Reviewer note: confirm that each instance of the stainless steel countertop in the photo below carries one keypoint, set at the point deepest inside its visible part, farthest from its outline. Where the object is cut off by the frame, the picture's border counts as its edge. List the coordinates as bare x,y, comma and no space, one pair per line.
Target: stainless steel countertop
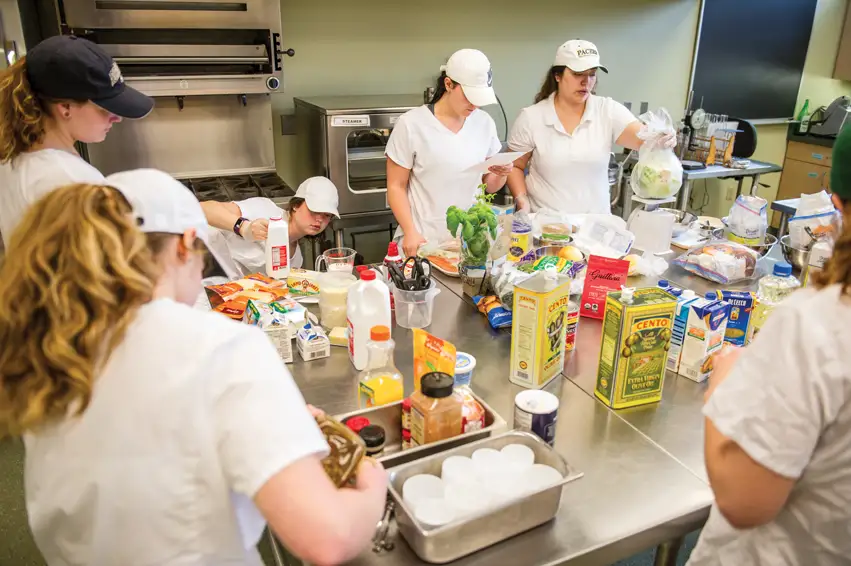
786,206
634,494
716,171
365,104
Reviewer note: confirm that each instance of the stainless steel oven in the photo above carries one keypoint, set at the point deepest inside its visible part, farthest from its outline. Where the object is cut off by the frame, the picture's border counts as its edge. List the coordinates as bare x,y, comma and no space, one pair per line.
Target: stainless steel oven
343,138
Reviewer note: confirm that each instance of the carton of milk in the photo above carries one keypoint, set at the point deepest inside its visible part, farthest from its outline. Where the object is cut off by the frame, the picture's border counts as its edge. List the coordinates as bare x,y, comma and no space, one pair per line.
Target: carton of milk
678,331
740,324
705,328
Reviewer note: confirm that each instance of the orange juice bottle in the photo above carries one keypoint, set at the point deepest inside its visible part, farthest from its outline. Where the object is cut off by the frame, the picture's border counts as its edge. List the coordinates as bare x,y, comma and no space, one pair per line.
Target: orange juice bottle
380,383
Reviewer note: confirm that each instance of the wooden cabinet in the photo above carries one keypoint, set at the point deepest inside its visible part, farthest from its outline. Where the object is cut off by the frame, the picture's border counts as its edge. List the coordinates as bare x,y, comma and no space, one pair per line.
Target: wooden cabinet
806,170
842,68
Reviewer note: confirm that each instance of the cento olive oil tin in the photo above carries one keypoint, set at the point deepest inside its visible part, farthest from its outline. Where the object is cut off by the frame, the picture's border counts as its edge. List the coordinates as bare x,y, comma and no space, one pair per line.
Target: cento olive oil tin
634,347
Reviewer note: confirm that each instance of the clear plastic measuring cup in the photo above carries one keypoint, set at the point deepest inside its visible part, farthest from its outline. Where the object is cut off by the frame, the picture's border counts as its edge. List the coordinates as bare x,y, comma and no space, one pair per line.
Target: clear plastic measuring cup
414,309
341,260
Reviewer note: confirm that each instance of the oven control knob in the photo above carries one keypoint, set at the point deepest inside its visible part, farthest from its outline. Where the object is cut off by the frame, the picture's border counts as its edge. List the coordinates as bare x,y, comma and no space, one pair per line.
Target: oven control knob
273,83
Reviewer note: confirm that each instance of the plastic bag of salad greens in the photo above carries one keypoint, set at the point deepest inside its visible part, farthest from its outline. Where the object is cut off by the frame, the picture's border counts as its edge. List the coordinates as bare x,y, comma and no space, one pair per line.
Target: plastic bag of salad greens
658,173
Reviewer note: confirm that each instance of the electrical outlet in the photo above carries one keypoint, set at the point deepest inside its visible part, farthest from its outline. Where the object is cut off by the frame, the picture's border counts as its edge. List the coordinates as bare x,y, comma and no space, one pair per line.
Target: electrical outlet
731,193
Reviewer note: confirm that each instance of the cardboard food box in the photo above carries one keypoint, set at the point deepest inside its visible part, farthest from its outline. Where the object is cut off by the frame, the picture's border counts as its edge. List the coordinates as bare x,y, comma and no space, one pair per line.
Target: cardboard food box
634,346
303,283
740,324
273,320
538,330
602,276
312,343
678,333
707,323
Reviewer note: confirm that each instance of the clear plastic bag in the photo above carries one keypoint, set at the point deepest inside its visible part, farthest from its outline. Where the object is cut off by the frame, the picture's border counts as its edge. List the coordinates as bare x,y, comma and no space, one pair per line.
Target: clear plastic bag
721,261
748,221
658,173
817,213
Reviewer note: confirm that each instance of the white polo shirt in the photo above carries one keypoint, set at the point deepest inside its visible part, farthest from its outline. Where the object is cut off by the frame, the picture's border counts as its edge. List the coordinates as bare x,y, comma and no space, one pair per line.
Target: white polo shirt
192,414
249,256
569,171
440,163
28,177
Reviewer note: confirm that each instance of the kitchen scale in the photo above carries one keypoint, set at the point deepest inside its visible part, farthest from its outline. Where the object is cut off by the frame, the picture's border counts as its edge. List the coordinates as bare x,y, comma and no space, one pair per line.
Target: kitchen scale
653,226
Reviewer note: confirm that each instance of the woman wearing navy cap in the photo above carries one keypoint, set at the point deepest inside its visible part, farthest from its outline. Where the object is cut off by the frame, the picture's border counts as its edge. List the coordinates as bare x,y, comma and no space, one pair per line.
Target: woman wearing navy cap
65,90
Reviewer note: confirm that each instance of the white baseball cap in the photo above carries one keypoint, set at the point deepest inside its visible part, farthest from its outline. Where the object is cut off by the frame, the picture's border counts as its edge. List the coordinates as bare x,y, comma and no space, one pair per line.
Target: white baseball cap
320,195
471,69
163,204
578,55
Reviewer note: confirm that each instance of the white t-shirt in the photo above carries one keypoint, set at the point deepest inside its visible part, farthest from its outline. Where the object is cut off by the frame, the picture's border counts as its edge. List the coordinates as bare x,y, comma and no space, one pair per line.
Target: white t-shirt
440,163
249,256
569,172
180,435
31,175
787,404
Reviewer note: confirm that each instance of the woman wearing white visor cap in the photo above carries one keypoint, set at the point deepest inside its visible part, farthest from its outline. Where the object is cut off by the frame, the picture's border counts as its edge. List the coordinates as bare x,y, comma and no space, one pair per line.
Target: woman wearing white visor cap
433,148
568,136
243,225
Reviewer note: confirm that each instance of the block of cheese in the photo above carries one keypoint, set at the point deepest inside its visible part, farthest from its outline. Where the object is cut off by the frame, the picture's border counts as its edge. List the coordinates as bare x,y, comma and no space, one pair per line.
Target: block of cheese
339,336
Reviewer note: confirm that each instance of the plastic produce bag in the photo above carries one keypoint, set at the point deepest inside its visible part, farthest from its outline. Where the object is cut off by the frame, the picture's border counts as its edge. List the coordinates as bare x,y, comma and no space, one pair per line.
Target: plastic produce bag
658,173
817,213
748,221
721,261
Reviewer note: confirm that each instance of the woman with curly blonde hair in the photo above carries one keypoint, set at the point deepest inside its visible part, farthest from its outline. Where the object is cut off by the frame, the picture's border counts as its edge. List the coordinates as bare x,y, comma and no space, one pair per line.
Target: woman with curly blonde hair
155,432
778,422
65,90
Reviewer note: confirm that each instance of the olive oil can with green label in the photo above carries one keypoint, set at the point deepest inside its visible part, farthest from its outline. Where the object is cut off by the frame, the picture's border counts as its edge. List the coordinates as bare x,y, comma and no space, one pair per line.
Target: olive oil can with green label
634,347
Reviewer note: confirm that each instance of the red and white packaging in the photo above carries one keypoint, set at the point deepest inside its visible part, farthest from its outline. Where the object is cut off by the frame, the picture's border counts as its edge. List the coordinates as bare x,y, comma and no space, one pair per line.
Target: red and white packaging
603,275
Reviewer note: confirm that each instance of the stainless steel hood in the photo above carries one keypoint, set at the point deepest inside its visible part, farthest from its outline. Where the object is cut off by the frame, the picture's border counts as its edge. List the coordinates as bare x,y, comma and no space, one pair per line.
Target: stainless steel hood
185,47
160,14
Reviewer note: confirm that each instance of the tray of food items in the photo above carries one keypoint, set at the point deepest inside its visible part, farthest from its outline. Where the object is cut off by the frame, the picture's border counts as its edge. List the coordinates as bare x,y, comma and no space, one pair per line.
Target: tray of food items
479,421
459,501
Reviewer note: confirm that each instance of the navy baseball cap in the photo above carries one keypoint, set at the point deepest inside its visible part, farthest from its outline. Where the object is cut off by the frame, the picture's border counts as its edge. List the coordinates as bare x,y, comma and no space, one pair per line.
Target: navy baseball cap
68,67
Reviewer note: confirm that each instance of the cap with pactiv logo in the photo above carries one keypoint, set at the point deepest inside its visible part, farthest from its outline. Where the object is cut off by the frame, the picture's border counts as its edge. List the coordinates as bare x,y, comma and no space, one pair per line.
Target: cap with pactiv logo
71,68
578,55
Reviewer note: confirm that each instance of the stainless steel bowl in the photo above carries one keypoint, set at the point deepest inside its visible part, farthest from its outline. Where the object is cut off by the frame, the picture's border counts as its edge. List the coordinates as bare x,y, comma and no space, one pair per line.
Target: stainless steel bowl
763,250
799,258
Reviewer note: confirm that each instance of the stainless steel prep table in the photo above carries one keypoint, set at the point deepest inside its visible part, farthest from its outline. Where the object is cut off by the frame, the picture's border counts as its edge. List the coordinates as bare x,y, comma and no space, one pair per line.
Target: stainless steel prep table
754,169
633,496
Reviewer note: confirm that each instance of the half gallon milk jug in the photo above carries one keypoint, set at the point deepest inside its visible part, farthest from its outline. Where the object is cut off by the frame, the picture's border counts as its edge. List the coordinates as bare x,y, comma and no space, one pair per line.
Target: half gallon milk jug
278,248
368,305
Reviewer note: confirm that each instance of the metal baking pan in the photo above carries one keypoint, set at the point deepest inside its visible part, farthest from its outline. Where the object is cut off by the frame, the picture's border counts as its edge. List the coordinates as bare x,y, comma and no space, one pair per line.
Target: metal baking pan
471,534
390,417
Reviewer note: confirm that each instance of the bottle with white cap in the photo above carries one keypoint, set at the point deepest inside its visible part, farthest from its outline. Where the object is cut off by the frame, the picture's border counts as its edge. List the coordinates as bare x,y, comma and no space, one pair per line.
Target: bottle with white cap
278,248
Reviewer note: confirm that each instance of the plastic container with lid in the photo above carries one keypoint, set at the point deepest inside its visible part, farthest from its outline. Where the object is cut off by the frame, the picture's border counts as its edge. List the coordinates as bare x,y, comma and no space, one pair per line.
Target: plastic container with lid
464,366
356,424
367,305
663,284
436,410
772,290
406,414
333,297
374,438
380,383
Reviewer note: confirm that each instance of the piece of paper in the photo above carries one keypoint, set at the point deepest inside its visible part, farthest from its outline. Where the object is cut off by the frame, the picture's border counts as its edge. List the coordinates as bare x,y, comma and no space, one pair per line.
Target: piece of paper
498,159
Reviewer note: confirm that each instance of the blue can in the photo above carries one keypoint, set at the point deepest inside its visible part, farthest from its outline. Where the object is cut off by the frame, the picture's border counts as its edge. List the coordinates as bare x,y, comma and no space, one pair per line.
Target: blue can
537,412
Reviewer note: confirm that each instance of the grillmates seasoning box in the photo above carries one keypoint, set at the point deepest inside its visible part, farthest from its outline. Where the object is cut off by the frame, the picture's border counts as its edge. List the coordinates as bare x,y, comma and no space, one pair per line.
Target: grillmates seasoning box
602,276
537,333
634,346
740,324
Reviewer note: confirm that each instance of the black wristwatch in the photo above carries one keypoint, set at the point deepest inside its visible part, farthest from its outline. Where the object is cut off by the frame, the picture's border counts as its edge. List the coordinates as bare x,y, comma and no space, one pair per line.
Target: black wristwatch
238,225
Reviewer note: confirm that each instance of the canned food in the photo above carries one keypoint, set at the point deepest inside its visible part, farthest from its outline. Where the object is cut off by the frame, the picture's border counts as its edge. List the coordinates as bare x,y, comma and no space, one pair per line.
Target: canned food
537,412
572,326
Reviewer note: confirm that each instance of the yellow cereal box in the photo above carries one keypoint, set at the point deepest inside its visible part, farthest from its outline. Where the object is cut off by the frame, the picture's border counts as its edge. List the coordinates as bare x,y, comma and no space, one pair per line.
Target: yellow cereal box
537,331
637,327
